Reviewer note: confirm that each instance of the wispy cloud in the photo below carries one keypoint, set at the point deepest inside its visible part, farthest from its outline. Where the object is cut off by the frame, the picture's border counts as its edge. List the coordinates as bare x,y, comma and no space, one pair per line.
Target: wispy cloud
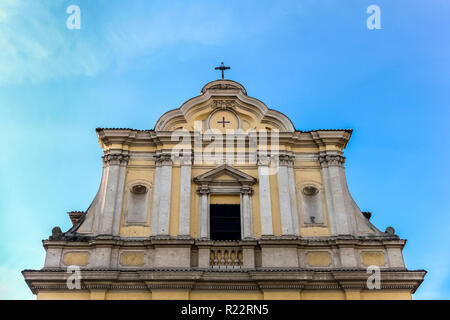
35,44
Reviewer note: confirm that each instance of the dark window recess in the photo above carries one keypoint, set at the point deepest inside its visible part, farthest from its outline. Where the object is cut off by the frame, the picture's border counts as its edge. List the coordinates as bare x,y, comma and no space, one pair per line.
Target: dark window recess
225,222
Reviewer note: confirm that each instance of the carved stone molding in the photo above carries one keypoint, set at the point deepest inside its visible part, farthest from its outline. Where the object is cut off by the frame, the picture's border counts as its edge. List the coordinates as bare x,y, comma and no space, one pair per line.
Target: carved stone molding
224,104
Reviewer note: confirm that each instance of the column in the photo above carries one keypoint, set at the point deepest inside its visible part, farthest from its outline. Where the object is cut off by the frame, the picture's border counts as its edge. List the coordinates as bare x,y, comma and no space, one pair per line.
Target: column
265,206
246,213
203,212
111,208
335,188
185,195
293,195
164,194
287,226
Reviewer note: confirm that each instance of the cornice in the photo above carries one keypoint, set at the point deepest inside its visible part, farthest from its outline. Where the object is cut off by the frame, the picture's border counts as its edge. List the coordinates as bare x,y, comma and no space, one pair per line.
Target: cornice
260,280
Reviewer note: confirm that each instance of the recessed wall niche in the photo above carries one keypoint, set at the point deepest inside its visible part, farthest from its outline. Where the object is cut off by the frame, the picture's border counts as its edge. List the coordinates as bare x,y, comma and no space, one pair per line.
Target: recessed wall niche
311,198
137,204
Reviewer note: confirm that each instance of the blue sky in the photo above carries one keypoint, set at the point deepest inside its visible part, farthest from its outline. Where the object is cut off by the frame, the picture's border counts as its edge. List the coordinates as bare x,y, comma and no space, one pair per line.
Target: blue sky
313,60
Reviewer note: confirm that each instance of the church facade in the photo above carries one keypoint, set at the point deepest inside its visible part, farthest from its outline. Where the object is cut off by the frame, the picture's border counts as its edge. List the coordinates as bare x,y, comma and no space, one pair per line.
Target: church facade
223,199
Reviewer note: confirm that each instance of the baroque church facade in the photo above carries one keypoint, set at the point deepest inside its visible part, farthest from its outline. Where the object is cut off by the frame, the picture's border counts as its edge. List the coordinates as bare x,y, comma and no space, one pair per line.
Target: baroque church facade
223,199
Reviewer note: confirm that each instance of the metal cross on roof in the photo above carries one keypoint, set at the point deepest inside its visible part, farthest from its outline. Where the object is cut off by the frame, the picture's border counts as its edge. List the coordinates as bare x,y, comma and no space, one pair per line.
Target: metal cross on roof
222,68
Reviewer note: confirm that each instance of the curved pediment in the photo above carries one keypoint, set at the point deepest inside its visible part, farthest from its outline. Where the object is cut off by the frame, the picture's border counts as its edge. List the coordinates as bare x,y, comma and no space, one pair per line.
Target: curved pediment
223,105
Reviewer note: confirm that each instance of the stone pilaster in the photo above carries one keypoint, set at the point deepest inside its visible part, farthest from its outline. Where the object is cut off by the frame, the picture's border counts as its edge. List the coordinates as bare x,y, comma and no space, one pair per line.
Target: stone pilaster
203,212
293,195
287,221
342,220
246,212
111,207
185,195
265,205
156,191
165,184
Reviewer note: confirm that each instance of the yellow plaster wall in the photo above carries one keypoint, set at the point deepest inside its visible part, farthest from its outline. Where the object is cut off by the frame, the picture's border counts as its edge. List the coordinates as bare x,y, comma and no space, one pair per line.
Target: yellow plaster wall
385,295
224,199
226,295
126,295
318,259
282,295
76,258
314,231
373,258
170,295
132,258
64,295
322,295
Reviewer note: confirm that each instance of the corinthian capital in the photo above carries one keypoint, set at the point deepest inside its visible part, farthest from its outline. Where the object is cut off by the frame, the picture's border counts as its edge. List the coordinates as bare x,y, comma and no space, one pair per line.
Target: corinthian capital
116,159
263,160
331,161
164,159
286,160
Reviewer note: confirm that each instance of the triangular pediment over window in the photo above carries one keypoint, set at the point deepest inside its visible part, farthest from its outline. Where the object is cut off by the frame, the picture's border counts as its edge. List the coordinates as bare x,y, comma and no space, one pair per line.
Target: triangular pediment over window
225,174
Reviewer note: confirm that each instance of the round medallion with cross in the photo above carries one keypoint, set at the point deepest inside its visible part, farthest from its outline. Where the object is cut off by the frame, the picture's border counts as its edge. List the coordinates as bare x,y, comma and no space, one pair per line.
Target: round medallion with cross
223,120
